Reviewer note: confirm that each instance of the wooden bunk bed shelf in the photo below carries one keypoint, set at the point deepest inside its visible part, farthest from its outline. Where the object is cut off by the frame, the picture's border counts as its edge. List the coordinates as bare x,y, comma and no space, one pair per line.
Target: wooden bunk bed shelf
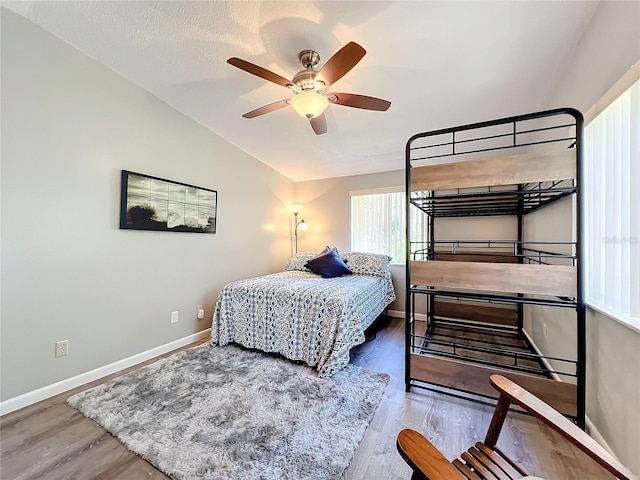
554,280
476,313
507,170
462,376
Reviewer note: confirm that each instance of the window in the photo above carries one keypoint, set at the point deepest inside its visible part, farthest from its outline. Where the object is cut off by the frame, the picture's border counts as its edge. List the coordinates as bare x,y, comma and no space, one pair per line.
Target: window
612,204
378,223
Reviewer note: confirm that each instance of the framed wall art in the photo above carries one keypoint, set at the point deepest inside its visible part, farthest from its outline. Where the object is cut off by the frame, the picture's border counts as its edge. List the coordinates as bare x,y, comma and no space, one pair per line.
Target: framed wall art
152,203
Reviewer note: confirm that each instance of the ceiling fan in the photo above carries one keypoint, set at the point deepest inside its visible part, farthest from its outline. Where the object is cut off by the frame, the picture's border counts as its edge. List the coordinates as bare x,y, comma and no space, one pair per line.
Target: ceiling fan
310,86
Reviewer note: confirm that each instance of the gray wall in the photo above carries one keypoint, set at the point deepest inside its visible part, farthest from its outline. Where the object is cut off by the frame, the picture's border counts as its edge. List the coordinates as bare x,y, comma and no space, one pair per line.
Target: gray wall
609,47
69,125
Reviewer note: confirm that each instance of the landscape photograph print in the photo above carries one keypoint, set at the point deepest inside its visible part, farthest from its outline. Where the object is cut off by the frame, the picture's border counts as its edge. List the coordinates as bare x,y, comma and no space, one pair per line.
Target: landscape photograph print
151,203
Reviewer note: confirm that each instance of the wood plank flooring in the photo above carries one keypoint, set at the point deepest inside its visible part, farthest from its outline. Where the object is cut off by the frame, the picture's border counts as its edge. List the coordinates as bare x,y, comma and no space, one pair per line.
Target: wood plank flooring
51,440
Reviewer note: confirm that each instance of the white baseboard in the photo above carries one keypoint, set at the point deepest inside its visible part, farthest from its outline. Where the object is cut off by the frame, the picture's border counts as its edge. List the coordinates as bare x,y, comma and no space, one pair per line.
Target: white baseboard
591,429
400,314
545,362
597,436
52,390
49,391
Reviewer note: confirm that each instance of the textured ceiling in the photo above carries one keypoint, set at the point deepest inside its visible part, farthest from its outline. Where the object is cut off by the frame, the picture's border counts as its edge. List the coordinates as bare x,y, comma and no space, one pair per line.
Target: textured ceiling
439,63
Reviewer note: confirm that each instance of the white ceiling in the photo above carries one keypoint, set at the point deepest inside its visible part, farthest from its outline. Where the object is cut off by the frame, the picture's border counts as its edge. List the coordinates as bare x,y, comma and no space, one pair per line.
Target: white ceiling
439,63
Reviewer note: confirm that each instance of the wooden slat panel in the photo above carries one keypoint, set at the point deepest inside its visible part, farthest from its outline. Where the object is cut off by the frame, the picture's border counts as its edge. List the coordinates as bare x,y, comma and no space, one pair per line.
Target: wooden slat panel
470,257
477,466
466,471
490,465
511,462
499,460
475,379
556,280
508,170
477,313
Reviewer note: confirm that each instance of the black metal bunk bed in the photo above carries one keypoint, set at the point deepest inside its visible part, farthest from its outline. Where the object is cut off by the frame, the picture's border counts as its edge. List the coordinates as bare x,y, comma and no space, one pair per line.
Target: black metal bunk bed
477,295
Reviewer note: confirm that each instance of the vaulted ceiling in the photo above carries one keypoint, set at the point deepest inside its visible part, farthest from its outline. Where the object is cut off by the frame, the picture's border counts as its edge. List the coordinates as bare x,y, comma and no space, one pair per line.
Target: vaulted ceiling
439,63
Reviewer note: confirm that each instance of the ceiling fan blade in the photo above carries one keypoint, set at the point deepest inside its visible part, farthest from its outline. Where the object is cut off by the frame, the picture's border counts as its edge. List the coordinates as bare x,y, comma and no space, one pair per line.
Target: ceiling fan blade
359,101
337,66
319,124
272,107
259,71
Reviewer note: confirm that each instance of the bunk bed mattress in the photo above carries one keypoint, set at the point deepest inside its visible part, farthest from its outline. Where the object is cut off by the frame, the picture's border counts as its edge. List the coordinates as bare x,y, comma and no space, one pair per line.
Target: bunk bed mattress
301,316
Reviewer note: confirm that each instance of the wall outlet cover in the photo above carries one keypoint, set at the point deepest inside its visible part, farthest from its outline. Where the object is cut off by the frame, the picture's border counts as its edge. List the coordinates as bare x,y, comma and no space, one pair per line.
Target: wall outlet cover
62,348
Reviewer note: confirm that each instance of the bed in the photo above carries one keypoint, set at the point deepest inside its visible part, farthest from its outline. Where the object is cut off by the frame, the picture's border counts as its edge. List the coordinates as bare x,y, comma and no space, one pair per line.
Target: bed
303,316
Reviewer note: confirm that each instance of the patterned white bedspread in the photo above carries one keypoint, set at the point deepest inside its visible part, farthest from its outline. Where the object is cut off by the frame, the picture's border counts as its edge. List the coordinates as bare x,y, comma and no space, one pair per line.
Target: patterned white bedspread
301,315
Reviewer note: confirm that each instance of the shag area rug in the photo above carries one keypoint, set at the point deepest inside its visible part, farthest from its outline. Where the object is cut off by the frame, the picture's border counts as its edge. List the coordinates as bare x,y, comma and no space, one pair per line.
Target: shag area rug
228,413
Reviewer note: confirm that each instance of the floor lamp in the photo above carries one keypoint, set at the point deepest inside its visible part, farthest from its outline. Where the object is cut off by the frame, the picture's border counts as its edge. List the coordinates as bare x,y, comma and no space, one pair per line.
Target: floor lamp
299,225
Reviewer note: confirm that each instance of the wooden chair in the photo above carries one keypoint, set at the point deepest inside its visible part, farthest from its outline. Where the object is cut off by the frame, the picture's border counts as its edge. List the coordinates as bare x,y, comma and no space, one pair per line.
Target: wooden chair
485,461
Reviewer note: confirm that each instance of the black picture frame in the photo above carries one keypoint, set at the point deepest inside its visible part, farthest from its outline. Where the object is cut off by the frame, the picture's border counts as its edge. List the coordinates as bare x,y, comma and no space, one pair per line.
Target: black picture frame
153,203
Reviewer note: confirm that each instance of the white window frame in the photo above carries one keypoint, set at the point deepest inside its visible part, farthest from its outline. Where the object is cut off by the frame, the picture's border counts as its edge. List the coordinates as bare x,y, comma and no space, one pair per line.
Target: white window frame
385,224
611,200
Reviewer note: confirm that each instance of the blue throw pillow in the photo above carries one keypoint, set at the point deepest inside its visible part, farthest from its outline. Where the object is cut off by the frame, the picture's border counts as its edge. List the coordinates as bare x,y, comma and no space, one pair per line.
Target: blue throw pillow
329,265
310,266
313,269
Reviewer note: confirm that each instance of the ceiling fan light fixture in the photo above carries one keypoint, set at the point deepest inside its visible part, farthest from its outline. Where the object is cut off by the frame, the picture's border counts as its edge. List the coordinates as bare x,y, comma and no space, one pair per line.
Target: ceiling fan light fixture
309,104
310,98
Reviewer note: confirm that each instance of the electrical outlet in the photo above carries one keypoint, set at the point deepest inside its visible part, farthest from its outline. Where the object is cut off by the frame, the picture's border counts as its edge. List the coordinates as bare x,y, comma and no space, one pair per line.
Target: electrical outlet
62,348
174,317
200,312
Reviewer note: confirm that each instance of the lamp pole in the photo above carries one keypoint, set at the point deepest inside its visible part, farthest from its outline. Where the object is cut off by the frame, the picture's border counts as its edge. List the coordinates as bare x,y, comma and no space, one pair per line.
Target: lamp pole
295,209
295,231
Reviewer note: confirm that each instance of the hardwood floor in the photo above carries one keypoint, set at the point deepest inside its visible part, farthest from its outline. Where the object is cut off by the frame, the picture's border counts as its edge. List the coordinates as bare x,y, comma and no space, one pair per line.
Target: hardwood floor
51,440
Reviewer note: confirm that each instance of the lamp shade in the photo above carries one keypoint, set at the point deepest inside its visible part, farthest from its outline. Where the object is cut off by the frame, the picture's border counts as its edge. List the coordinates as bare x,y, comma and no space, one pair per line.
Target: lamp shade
302,225
309,103
295,208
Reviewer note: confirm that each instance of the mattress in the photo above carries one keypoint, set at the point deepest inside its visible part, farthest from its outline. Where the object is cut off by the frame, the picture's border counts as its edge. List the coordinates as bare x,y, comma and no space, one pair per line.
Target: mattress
301,316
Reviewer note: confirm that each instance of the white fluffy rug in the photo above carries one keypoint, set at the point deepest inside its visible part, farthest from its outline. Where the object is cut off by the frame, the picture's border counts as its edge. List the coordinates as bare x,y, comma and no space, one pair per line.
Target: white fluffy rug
227,413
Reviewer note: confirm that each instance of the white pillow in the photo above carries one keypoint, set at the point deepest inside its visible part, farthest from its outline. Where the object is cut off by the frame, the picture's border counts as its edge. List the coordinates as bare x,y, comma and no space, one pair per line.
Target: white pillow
362,263
299,260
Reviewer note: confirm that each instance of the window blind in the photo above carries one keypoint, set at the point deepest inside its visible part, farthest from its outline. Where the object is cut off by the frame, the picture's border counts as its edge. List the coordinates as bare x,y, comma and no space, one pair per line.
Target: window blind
612,201
378,223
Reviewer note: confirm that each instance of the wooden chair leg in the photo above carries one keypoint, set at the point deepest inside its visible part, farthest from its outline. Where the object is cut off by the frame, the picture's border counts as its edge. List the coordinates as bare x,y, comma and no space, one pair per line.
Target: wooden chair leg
499,416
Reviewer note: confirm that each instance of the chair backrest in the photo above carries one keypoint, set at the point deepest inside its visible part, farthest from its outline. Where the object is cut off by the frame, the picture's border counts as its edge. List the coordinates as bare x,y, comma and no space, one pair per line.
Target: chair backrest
511,393
484,460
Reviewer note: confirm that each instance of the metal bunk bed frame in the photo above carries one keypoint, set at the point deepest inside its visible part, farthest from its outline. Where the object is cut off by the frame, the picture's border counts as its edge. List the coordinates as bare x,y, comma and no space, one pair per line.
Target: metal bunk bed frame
525,197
